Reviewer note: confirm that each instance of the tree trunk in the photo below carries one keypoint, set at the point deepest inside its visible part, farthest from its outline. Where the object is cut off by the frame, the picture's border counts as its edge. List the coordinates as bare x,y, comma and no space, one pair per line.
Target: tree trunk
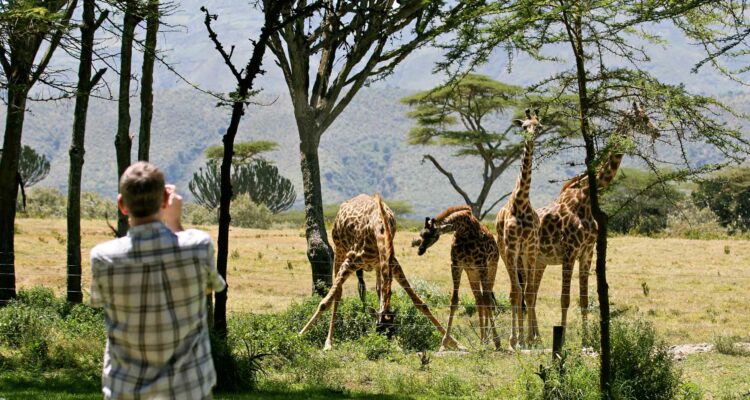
16,111
123,140
225,201
147,80
605,371
319,252
77,151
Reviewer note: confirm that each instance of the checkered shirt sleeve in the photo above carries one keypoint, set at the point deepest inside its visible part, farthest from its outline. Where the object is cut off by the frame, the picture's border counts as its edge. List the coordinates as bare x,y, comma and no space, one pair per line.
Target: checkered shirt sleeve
152,286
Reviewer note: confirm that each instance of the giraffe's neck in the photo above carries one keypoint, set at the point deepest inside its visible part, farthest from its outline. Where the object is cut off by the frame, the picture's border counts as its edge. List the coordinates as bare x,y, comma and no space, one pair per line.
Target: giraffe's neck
461,223
520,195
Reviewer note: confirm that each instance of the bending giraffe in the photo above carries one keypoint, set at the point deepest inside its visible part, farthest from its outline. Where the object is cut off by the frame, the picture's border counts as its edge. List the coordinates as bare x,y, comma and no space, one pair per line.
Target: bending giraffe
363,240
474,250
568,228
517,226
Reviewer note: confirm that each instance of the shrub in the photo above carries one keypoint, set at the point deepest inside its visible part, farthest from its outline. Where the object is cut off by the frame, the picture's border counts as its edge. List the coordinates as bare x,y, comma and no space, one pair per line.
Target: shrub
414,331
727,194
729,345
237,369
195,214
638,203
352,321
568,378
690,222
44,203
246,214
642,366
94,206
374,346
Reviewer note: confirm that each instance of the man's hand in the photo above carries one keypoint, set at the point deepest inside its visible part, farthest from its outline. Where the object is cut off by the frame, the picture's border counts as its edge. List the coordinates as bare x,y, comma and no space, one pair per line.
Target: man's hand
172,213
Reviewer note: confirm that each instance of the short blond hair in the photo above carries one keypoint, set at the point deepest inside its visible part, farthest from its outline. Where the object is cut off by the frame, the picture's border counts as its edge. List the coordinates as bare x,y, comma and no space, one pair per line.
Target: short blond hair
142,189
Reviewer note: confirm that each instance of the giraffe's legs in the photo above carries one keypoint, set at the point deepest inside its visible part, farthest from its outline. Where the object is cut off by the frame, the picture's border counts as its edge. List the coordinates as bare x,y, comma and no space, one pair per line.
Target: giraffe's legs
510,258
538,270
489,301
361,287
456,274
584,267
530,291
333,295
476,290
567,274
400,277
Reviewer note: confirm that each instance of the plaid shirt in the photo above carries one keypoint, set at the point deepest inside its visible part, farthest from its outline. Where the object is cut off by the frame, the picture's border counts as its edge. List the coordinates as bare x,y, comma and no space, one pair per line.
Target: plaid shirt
152,285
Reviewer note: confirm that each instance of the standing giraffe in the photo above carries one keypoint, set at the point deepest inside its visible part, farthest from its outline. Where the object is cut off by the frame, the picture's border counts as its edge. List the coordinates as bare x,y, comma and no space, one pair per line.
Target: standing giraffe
363,240
568,229
474,250
518,238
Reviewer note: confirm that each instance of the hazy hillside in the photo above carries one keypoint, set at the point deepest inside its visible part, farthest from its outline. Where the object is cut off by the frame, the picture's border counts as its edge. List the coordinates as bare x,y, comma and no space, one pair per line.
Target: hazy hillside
364,151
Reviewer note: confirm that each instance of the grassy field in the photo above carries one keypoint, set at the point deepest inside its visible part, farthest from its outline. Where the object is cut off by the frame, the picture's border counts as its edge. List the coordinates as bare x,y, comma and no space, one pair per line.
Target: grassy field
691,290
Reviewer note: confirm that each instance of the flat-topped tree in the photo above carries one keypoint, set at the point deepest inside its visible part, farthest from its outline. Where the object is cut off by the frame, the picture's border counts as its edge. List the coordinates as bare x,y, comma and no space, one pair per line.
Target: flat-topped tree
326,58
604,43
459,115
30,32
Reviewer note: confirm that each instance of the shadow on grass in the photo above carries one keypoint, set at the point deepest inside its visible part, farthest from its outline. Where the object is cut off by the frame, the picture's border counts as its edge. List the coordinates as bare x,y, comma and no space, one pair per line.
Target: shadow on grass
62,386
68,386
311,394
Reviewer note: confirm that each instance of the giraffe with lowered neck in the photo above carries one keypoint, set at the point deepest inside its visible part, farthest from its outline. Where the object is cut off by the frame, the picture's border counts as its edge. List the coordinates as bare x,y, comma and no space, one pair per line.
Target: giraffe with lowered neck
568,228
474,250
517,226
363,240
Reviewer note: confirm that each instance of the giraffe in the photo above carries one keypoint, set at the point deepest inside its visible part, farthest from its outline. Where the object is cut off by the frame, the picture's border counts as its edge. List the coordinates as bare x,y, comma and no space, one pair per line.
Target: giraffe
363,240
518,238
474,250
568,229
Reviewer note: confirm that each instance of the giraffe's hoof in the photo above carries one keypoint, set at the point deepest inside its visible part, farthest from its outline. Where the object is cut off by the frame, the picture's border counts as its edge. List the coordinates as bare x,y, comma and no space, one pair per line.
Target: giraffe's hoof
328,346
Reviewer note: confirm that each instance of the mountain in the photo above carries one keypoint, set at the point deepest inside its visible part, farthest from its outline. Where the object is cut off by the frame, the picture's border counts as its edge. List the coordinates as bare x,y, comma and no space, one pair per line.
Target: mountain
364,151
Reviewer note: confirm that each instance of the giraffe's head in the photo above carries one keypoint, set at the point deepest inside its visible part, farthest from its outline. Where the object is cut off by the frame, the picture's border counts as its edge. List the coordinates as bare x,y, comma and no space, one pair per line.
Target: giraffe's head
429,235
637,121
531,124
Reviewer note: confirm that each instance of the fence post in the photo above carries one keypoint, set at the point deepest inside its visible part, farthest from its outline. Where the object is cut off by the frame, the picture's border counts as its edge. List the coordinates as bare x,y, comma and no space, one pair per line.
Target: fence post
558,339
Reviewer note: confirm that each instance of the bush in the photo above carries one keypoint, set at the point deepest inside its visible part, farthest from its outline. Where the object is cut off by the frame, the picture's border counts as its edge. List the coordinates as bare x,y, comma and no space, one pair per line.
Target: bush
568,378
690,222
642,366
246,214
414,331
44,203
730,345
237,369
94,206
352,321
195,214
374,346
727,194
637,203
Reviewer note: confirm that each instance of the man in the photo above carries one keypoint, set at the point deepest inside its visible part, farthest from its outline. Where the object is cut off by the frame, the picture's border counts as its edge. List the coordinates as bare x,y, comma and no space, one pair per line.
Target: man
152,285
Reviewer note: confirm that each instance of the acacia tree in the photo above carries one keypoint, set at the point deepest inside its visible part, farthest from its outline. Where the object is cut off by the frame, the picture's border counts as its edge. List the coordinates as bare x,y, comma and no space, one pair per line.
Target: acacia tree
597,38
27,28
326,58
86,83
456,115
277,14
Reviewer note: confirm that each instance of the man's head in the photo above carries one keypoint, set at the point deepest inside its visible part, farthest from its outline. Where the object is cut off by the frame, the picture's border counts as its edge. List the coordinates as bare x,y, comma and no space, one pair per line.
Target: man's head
142,190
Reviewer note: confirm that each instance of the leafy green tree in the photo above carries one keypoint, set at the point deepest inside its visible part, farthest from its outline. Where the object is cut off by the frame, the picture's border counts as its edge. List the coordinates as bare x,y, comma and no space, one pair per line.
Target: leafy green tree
599,40
30,33
33,167
244,152
457,114
326,58
727,194
639,202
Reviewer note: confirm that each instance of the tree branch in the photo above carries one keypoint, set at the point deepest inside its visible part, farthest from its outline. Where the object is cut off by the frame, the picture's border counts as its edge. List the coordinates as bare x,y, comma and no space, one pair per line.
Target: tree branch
448,175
